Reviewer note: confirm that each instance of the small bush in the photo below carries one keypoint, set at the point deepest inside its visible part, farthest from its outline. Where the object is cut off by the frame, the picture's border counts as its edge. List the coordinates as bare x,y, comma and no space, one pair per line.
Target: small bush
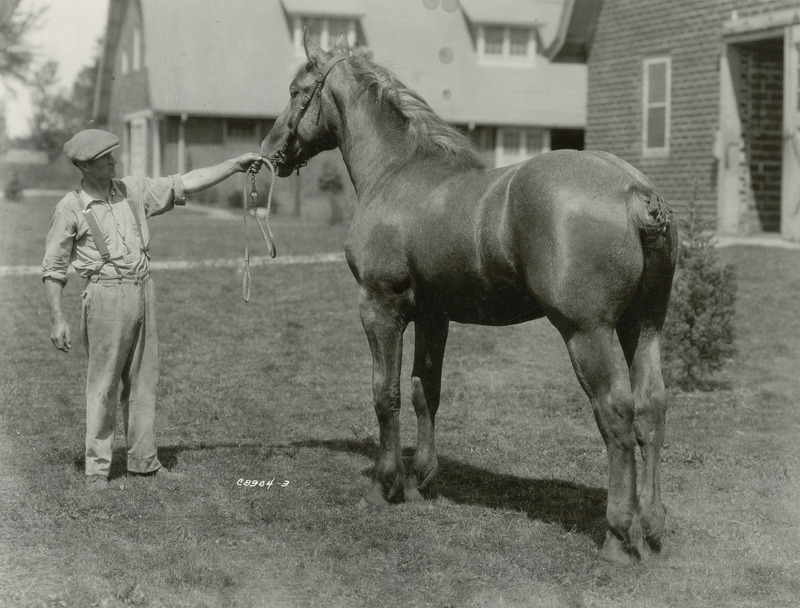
699,333
13,189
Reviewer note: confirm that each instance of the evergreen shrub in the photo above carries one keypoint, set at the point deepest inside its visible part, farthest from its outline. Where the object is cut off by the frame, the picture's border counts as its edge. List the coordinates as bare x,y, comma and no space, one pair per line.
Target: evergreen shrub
699,332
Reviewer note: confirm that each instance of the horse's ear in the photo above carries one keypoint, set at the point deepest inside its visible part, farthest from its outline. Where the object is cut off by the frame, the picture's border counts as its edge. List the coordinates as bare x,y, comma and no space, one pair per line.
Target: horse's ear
341,43
314,52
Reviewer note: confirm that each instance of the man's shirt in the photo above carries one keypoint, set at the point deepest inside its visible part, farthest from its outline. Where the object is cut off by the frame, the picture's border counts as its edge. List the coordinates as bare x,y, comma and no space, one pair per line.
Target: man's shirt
70,240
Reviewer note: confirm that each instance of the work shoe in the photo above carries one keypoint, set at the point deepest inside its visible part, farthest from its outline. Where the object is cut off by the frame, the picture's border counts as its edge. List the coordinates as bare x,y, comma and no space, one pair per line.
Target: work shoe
160,473
95,483
165,473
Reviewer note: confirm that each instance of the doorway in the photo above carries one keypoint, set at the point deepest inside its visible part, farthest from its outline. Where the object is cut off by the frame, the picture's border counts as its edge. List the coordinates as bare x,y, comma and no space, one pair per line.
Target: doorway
758,146
752,157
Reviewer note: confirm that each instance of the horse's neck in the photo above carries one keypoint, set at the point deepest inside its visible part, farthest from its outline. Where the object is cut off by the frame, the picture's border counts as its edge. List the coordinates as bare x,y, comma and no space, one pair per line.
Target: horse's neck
371,145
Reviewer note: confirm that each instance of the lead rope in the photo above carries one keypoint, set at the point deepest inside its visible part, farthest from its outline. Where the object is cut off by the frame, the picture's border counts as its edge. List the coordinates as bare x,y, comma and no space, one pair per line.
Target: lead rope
249,183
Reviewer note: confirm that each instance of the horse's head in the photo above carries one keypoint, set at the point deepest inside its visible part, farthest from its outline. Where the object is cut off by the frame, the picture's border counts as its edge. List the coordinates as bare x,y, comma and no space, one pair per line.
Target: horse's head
302,130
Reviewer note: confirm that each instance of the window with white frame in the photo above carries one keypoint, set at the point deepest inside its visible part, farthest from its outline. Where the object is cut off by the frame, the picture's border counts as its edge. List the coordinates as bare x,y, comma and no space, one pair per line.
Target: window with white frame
323,30
656,99
506,44
513,145
124,62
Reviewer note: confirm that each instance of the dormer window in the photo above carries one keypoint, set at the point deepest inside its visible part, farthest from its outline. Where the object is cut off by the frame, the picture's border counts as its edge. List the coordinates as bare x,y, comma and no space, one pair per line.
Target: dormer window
323,30
506,44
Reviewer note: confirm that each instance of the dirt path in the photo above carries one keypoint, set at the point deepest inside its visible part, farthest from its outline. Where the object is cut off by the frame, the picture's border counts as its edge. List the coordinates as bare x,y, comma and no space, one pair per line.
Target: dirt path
320,258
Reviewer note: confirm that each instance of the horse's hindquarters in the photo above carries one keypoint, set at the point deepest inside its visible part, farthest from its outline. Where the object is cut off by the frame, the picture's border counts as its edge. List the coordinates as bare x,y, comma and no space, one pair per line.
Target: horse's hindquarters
576,249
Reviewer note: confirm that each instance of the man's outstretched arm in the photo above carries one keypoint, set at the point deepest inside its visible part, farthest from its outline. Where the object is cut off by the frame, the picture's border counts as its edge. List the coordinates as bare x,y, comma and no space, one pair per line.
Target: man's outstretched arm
200,179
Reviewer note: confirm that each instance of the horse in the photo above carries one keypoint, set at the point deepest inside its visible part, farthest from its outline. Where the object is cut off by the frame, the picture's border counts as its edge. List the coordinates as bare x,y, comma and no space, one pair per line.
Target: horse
579,237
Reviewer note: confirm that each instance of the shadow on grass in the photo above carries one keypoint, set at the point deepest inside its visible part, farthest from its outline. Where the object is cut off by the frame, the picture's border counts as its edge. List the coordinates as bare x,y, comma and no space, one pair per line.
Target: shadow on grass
574,507
167,455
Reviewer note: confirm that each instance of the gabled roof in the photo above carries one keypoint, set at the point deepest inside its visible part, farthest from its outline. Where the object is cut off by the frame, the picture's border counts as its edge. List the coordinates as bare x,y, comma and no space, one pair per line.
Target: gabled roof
212,58
575,32
116,13
206,59
543,14
350,8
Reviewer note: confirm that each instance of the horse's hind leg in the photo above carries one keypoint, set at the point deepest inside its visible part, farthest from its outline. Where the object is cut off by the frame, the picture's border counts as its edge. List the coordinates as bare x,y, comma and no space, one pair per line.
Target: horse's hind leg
639,332
598,365
642,345
430,338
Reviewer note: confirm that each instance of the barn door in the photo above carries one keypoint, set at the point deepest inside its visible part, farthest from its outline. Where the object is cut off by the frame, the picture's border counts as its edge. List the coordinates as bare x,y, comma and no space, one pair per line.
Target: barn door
728,144
790,180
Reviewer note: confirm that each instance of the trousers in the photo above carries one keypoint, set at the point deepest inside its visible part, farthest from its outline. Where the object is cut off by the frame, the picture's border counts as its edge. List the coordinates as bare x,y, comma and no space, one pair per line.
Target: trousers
118,325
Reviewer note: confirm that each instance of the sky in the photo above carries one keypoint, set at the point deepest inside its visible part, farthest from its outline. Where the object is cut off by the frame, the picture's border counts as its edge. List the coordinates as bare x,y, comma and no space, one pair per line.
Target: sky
68,34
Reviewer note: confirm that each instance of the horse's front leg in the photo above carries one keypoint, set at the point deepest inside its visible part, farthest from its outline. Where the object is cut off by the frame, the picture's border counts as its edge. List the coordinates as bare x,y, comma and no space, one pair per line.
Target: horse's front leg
384,320
430,338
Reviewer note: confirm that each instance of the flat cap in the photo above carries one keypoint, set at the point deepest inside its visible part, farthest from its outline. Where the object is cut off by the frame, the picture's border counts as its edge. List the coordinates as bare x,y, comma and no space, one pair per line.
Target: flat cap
90,144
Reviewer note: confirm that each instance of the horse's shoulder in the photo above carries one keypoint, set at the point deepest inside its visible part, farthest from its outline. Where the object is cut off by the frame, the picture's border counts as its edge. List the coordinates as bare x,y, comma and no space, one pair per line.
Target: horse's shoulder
377,246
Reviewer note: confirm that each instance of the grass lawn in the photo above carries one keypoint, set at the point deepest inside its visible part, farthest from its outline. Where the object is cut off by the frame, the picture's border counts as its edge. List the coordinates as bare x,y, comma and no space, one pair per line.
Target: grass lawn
279,389
192,232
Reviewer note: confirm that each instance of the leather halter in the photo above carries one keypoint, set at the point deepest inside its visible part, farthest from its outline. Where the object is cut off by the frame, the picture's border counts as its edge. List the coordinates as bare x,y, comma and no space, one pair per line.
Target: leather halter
294,120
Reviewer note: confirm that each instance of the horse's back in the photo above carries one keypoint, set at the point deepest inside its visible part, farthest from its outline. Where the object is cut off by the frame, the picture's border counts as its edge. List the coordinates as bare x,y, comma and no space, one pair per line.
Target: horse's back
593,174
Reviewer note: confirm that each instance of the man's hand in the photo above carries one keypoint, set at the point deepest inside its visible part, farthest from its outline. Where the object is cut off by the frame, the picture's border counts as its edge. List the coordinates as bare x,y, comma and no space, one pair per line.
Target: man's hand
246,161
59,335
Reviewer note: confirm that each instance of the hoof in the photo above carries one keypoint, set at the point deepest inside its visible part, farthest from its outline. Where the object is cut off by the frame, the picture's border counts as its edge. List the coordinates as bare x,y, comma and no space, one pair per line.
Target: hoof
615,551
412,493
374,497
426,473
653,550
653,525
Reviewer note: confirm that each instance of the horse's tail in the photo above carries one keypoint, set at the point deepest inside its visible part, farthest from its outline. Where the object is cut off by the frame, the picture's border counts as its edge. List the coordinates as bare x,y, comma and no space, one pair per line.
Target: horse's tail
650,214
660,242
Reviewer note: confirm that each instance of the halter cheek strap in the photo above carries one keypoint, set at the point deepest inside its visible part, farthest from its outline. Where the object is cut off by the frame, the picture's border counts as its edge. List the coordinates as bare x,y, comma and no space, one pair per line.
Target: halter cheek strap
294,121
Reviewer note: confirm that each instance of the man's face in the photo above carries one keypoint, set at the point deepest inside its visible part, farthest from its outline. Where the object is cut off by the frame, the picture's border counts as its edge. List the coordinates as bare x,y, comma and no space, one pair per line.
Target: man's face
102,168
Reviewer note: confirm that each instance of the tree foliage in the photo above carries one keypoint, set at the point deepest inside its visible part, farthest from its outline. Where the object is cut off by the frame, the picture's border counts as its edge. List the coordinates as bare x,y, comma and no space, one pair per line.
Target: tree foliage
58,115
699,333
16,55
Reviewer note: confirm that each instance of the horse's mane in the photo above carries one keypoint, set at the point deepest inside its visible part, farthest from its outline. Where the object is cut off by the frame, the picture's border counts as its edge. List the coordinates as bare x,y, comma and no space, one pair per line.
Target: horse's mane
426,132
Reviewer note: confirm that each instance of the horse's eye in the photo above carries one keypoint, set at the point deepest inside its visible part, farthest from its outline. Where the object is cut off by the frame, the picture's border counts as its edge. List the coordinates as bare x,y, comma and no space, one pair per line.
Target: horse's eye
292,92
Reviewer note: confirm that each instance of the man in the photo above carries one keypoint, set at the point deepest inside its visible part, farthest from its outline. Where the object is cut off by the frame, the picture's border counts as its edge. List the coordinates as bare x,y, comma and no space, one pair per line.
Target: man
101,229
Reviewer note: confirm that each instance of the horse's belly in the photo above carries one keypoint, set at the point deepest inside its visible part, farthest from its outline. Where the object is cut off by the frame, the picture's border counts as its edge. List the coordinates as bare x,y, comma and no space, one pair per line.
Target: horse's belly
483,305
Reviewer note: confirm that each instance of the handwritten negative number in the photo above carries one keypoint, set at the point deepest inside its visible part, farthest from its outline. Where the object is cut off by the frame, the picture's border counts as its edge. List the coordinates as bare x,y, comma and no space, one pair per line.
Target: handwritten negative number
255,483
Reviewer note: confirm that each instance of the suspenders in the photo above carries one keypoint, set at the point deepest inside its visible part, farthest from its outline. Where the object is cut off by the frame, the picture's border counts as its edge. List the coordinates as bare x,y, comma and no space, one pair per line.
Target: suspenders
97,234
